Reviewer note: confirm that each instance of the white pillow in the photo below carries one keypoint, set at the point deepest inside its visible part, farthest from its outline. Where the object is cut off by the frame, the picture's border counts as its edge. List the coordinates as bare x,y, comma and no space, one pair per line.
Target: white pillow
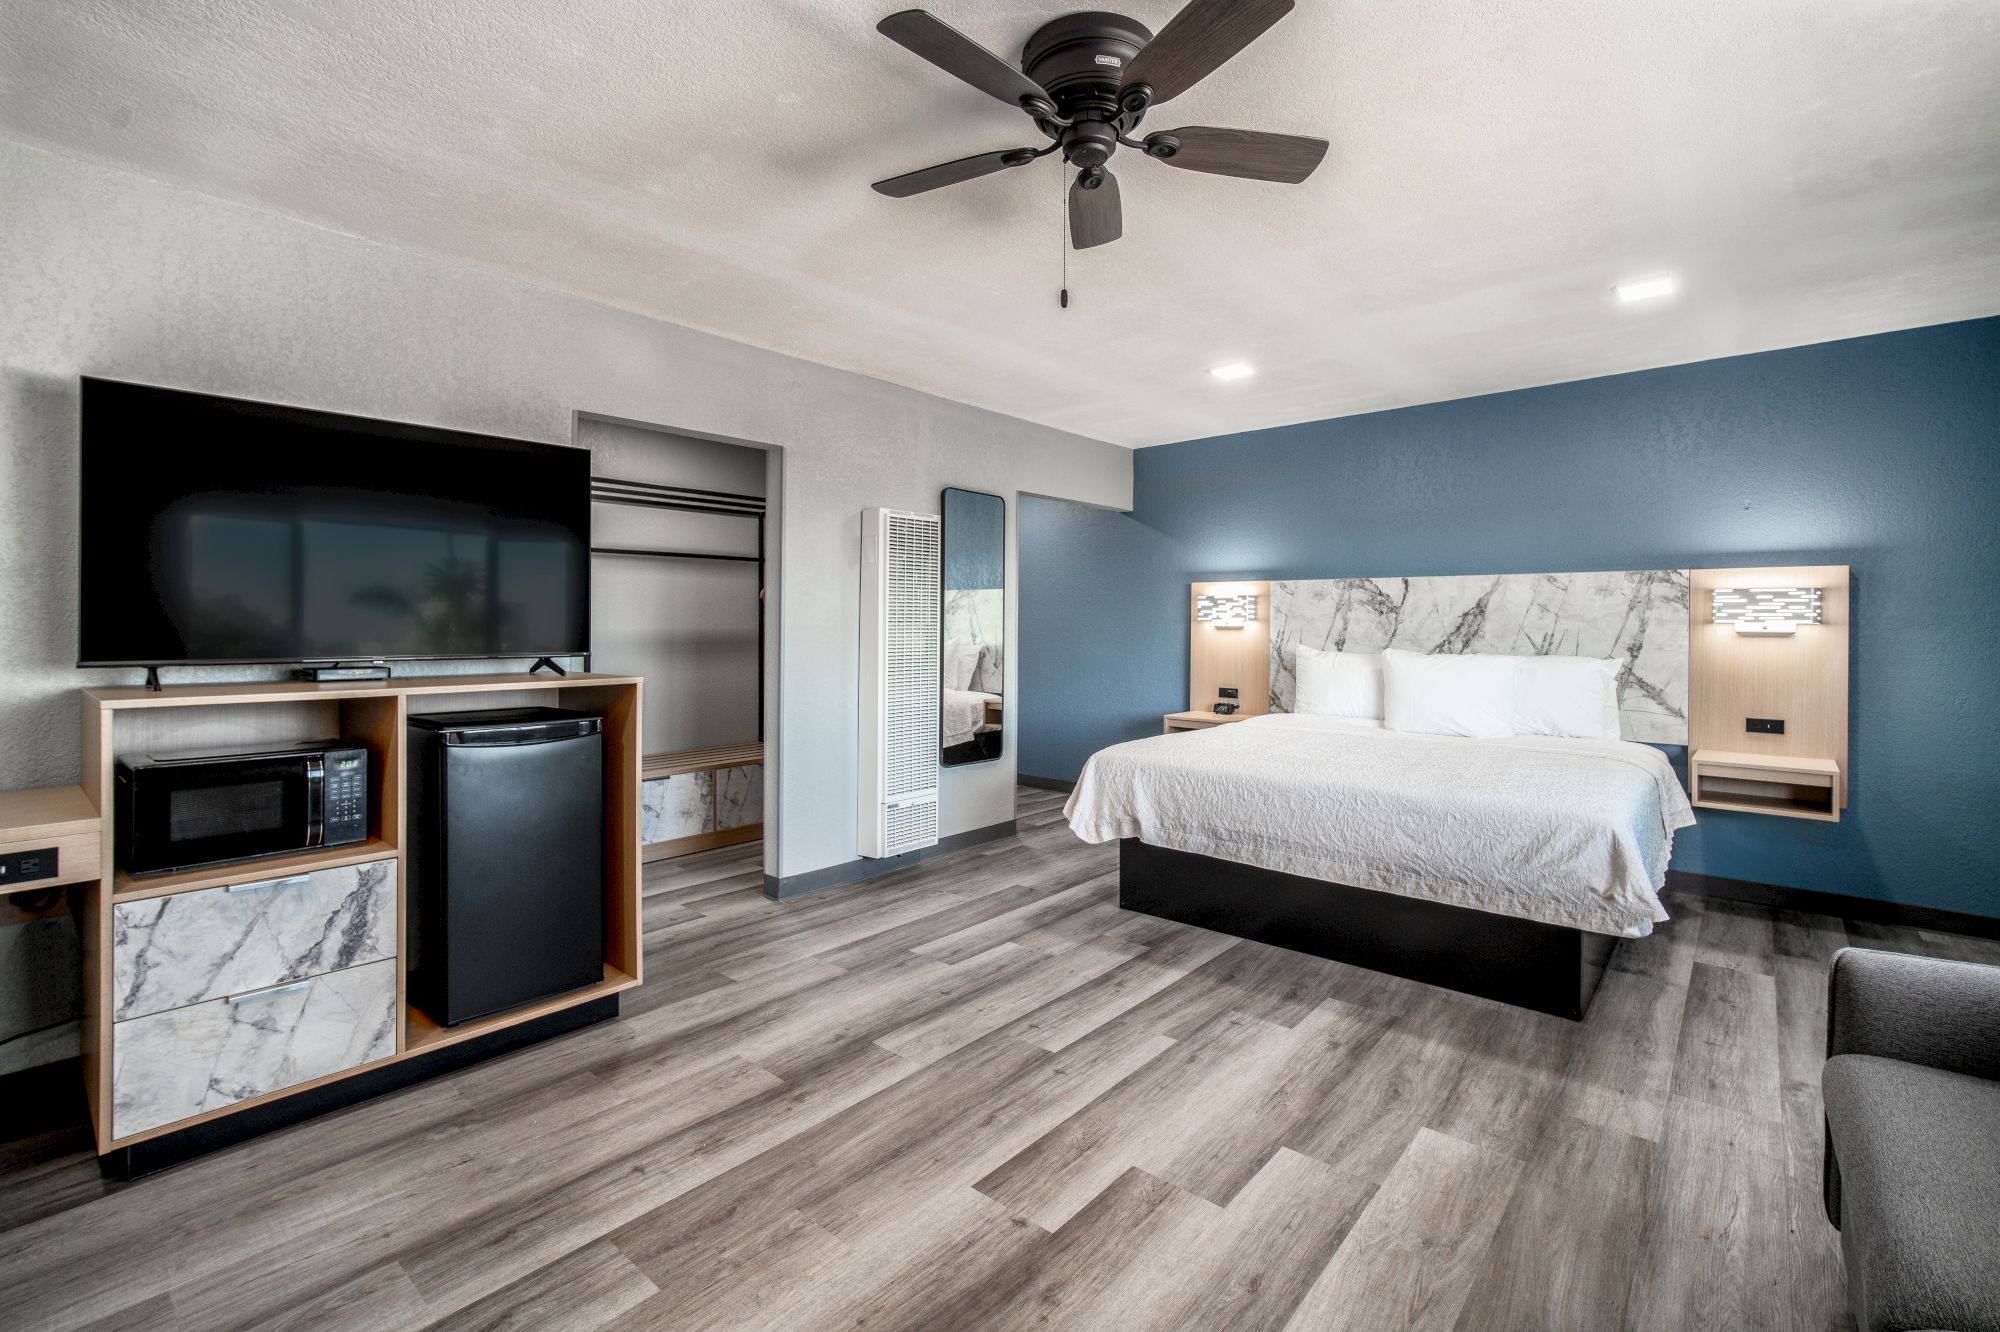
1337,684
1450,695
961,663
1573,696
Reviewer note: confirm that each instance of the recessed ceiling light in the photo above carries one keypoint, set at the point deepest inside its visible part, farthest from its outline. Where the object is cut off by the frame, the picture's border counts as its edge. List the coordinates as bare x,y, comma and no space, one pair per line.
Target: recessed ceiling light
1647,289
1234,370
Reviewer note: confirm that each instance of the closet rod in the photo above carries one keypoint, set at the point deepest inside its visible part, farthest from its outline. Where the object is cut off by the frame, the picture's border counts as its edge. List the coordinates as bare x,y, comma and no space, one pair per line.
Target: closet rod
646,495
674,504
675,554
661,488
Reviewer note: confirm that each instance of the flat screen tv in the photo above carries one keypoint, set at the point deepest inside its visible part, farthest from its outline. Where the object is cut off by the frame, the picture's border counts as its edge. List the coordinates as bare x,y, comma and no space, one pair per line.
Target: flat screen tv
221,531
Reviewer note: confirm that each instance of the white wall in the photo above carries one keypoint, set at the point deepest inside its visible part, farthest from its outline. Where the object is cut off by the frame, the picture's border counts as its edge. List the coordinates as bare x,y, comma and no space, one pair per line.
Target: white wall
107,273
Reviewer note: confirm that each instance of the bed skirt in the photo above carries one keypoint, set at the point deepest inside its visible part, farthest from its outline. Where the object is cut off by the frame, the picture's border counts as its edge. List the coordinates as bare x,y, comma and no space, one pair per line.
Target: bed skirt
1549,968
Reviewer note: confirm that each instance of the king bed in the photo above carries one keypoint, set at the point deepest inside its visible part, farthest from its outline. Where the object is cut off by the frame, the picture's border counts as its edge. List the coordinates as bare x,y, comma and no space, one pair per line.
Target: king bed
1497,834
1505,867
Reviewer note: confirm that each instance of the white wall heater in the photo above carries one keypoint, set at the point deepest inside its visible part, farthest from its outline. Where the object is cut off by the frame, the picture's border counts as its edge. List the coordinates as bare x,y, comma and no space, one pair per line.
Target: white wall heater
899,681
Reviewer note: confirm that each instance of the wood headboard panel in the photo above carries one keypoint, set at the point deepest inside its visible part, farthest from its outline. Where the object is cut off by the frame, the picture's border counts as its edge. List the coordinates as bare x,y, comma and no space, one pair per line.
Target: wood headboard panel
1639,616
1232,658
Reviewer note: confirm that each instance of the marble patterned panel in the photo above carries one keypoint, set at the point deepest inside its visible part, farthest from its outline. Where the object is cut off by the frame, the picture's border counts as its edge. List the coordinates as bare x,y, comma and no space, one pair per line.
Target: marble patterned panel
978,615
168,1066
678,806
739,796
1639,617
169,952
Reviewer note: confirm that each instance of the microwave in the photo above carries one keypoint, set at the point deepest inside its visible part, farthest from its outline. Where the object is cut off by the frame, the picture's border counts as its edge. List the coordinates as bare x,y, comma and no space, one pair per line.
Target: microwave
185,811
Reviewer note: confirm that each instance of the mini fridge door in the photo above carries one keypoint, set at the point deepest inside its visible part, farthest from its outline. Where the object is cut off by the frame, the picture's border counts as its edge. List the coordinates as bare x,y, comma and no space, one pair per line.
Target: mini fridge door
509,870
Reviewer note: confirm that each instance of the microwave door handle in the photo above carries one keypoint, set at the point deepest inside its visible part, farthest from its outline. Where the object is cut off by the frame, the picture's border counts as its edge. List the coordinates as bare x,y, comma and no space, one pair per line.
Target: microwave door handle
316,803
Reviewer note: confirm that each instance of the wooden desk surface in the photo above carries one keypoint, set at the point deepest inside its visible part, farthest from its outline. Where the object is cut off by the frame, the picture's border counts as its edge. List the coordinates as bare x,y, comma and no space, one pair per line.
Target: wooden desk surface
50,812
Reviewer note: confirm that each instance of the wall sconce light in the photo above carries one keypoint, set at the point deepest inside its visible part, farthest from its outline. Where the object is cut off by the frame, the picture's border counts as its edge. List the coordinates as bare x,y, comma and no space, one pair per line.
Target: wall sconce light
1766,610
1225,612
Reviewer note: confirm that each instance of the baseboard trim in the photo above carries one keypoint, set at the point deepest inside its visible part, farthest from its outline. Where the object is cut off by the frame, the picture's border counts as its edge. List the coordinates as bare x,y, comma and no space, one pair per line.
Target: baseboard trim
1063,784
1834,904
854,871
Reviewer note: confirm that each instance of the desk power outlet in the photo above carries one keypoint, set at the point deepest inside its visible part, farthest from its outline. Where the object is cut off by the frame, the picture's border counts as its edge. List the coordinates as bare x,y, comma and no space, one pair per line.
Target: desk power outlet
1764,725
28,866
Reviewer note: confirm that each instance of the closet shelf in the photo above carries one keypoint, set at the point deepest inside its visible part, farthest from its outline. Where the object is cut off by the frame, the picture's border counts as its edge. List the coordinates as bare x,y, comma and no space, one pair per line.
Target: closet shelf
701,760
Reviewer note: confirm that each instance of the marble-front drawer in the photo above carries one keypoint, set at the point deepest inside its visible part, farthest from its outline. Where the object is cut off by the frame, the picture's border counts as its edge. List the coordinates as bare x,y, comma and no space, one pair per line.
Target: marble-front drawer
172,1065
187,948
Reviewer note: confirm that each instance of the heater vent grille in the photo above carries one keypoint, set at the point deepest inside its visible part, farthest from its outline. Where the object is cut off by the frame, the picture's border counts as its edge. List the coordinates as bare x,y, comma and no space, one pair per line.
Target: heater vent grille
910,656
909,827
900,594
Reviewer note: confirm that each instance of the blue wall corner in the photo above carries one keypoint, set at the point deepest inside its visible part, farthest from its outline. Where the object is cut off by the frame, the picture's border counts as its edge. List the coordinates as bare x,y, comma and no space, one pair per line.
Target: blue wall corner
1882,453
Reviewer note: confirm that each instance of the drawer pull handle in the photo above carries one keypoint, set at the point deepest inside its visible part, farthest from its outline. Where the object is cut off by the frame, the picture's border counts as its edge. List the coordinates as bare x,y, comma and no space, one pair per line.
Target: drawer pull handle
289,881
273,992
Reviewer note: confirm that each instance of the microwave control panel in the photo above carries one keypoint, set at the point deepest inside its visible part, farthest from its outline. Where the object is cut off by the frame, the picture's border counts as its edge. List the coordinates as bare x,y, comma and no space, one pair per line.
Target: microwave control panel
346,796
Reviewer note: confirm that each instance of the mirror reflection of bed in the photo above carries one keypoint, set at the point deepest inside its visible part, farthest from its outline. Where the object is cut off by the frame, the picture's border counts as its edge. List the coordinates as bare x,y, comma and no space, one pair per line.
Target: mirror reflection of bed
972,707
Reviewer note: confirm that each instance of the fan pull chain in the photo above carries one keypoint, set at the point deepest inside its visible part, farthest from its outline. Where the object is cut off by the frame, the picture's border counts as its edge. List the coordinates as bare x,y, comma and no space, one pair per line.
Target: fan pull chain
1062,210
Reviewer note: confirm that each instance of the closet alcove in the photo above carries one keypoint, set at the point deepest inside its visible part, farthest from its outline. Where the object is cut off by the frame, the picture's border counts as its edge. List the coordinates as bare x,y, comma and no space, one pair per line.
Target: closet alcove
678,575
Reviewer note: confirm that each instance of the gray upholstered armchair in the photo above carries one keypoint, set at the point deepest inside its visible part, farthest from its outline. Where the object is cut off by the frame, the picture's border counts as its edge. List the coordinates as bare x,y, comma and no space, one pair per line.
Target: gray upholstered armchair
1912,1090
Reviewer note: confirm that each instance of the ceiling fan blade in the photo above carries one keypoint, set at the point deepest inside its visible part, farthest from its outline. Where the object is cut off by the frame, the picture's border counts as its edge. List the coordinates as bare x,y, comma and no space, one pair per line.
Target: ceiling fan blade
1095,215
1250,154
956,54
951,173
1198,40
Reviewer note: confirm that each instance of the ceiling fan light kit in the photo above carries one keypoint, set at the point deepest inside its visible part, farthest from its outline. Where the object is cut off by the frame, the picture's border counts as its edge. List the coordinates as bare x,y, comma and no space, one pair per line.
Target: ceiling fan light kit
1087,80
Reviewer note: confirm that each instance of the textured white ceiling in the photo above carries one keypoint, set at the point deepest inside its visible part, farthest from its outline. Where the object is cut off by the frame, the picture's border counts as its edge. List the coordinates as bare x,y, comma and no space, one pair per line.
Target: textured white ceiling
1813,169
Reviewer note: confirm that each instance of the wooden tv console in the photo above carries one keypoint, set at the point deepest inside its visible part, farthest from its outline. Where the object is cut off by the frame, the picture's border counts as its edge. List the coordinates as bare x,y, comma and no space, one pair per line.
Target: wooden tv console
165,1047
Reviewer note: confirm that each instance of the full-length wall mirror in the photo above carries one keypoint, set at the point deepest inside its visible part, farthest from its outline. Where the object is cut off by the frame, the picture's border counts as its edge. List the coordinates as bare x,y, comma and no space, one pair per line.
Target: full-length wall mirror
975,624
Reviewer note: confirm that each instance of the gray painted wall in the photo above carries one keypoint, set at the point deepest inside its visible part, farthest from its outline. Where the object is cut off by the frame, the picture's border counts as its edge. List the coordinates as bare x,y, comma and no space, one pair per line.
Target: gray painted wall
106,272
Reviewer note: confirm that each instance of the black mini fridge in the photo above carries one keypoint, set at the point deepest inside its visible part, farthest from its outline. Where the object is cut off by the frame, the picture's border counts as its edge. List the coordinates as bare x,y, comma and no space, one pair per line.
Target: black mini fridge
506,859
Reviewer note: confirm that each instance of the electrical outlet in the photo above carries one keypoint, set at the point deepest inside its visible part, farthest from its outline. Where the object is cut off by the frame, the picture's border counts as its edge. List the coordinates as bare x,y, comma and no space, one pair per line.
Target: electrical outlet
1225,693
1764,725
27,866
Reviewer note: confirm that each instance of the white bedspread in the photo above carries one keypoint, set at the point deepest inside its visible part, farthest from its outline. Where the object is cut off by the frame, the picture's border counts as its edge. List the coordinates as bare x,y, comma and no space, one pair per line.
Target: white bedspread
1571,832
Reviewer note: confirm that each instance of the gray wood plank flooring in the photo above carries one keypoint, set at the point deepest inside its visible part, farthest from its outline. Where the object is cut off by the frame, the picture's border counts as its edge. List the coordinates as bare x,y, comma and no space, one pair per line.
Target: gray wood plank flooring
975,1094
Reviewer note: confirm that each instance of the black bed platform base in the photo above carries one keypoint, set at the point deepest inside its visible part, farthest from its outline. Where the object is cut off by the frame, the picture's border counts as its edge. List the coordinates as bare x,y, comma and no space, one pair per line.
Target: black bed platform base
1549,968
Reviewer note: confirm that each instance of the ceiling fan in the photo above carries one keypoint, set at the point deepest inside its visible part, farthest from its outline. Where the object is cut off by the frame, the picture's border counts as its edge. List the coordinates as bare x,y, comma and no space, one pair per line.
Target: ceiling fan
1088,80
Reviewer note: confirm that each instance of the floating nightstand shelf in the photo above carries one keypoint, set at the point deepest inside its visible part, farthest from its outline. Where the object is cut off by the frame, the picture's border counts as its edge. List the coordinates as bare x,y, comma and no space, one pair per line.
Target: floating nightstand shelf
1799,788
1197,720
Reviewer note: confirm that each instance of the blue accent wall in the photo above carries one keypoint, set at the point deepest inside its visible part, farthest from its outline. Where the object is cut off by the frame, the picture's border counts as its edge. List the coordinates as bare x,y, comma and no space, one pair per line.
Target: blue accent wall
1882,453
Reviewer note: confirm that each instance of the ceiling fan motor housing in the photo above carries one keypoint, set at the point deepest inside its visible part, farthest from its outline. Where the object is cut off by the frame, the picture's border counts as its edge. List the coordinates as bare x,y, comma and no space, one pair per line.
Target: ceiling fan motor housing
1081,59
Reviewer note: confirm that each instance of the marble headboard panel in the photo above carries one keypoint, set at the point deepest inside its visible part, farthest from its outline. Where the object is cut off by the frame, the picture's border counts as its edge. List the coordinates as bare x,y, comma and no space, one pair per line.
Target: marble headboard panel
1638,616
